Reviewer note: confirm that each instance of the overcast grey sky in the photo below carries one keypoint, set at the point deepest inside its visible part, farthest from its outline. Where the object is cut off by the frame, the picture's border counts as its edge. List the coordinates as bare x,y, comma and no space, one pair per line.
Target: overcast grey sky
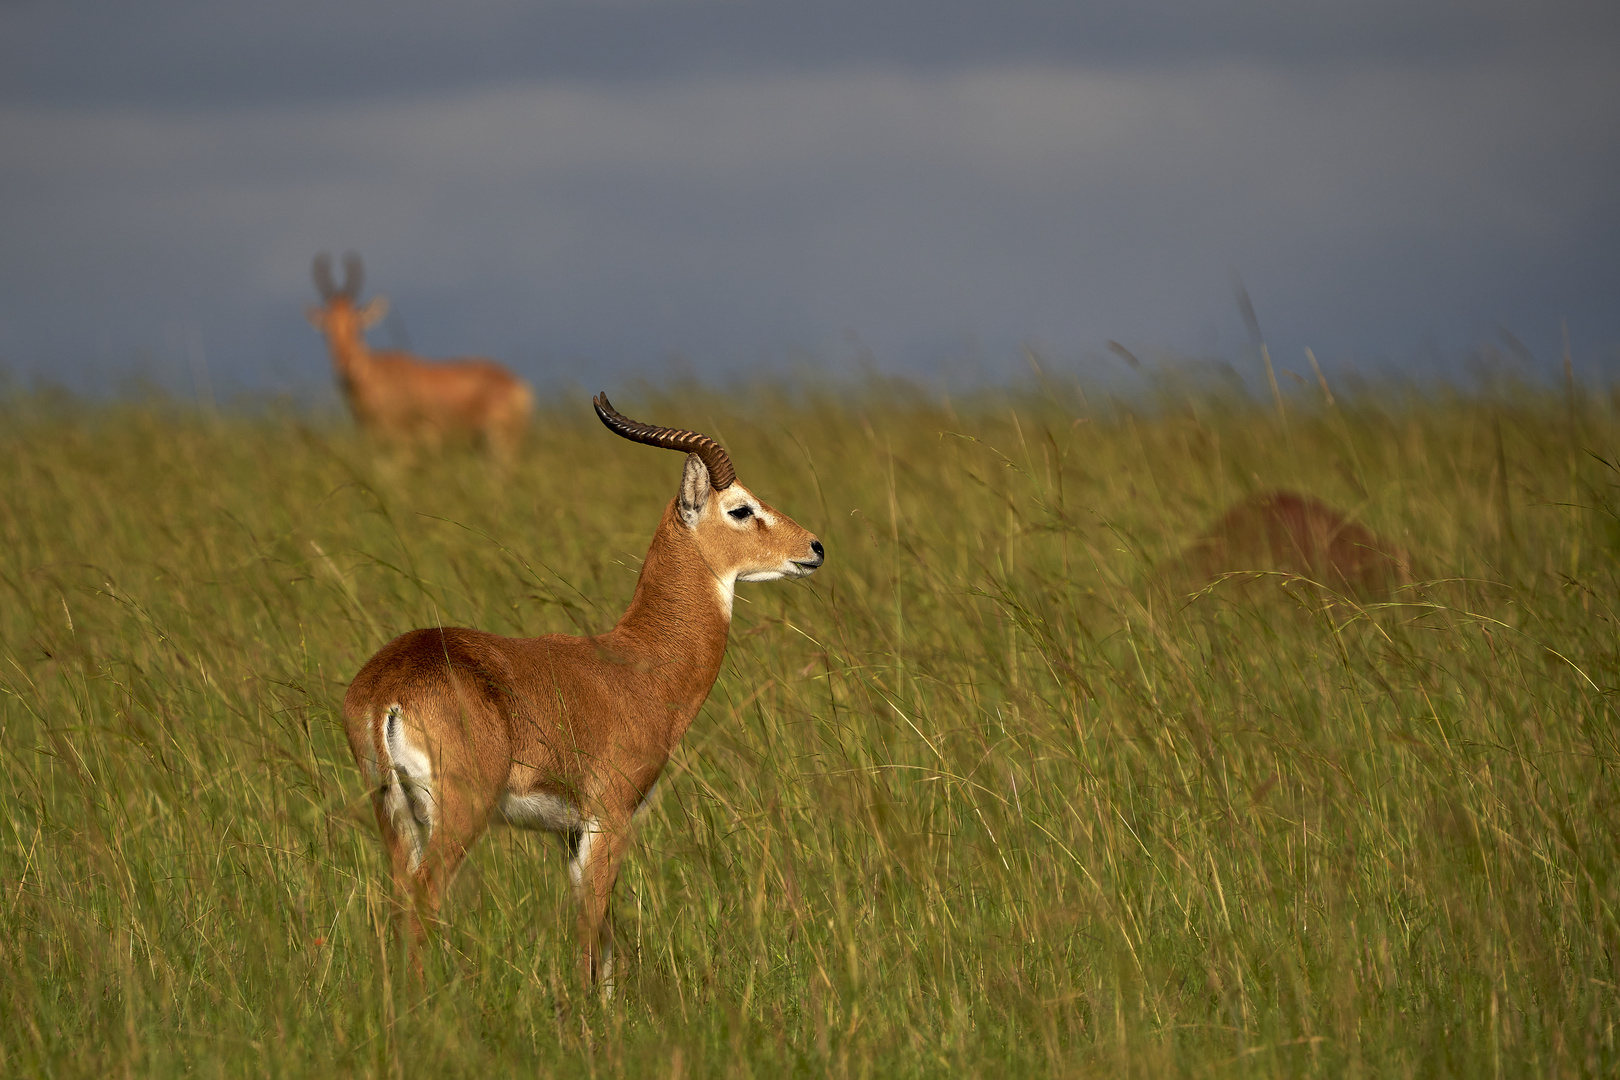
585,190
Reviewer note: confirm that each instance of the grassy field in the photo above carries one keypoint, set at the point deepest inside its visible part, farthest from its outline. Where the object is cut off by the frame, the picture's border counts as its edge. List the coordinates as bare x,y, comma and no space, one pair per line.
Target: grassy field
978,799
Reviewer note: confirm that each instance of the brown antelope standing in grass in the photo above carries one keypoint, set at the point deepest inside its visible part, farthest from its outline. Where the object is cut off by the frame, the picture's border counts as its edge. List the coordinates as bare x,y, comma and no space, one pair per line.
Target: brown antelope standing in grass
400,398
1281,530
456,729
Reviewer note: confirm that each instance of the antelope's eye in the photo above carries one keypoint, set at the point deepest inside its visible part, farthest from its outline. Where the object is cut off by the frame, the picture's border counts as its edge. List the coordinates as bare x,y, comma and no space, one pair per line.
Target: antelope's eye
742,513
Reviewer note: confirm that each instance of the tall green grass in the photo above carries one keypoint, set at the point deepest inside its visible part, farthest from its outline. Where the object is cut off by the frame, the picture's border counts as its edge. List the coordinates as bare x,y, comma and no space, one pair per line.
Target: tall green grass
983,797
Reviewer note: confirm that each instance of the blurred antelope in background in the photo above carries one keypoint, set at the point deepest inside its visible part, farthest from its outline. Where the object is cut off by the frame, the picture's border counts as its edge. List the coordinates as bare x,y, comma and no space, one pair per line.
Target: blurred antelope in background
1281,530
457,729
406,400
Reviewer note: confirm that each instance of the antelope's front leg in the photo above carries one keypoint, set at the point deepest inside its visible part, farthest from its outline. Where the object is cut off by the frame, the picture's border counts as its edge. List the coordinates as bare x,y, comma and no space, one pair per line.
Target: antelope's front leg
594,869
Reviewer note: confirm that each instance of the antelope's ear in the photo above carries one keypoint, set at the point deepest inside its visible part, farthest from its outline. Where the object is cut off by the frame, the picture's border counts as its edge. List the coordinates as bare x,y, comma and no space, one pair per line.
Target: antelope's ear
313,313
373,312
694,494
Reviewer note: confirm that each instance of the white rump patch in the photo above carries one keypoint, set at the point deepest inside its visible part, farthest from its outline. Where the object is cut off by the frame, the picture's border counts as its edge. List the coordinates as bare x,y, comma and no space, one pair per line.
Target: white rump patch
541,810
407,785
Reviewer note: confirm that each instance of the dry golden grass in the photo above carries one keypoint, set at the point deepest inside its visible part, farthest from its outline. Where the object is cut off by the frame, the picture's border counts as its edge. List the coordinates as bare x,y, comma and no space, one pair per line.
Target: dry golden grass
975,800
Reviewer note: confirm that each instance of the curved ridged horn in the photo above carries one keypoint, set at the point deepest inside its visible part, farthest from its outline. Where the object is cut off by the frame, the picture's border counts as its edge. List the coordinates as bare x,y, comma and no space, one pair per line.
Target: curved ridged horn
353,275
323,276
721,474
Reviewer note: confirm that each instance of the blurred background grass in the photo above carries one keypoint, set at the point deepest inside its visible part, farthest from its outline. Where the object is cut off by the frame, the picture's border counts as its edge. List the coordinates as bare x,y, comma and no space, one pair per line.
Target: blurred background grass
983,797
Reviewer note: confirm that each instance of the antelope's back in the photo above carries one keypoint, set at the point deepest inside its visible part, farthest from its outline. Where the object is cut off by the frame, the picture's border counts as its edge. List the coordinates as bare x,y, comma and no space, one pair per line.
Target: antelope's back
435,675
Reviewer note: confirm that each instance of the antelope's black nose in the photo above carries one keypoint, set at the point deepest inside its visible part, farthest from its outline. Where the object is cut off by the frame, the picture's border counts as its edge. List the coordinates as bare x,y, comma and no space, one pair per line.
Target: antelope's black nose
818,555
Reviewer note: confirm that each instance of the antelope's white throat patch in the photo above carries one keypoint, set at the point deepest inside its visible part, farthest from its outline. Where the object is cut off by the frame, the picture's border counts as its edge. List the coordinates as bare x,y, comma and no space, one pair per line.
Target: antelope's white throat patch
725,590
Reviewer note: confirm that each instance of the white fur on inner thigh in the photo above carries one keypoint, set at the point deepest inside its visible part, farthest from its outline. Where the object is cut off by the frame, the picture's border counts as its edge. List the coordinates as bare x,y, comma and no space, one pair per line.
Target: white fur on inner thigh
407,794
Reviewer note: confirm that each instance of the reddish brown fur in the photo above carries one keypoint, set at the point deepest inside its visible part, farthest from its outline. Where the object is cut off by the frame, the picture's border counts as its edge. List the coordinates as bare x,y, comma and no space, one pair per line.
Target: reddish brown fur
403,399
1281,530
588,720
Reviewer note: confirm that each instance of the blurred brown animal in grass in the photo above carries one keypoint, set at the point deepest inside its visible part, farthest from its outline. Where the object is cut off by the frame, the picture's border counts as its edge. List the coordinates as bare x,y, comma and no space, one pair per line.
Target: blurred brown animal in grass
1300,536
405,400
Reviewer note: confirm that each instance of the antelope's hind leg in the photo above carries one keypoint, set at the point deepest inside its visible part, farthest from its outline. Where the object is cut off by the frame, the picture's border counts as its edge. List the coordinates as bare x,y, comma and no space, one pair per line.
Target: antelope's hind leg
430,810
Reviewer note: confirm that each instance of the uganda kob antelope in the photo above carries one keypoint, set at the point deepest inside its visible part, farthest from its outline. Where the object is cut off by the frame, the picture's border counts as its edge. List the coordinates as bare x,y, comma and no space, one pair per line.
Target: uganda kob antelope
459,729
402,399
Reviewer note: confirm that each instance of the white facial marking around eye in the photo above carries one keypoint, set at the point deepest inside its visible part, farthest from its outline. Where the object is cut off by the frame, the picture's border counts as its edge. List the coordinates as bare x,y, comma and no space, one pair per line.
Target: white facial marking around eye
743,510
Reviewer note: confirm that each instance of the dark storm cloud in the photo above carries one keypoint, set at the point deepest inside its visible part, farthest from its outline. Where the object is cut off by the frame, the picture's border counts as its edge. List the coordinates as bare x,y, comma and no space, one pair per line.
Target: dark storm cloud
583,189
190,52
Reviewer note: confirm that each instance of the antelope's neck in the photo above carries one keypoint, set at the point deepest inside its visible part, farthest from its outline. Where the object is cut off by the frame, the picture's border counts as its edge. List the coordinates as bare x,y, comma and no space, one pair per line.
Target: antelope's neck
350,353
676,622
